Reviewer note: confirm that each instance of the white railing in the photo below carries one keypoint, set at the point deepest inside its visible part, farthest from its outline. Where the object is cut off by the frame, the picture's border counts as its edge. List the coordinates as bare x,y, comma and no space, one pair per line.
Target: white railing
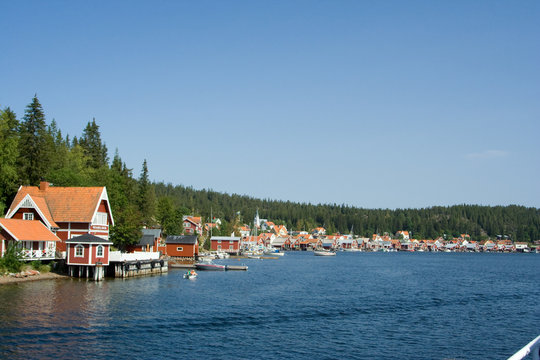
118,256
38,254
531,348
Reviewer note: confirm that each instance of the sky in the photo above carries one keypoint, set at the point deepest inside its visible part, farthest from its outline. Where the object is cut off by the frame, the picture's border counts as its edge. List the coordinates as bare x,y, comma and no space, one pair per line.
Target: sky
374,104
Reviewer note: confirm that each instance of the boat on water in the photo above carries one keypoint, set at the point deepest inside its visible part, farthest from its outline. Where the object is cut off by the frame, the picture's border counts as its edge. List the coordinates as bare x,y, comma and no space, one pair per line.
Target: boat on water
324,253
210,267
532,348
274,252
207,258
190,275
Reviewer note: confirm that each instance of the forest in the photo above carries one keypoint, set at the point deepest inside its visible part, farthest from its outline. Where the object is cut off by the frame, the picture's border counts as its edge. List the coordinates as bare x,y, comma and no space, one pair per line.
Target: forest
32,150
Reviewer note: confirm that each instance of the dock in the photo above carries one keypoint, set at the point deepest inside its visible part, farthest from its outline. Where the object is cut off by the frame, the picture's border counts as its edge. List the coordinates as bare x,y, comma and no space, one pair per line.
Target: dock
236,267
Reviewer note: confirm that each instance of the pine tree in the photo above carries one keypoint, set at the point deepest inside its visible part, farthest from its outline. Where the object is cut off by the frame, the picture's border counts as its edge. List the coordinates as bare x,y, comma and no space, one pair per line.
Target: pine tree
33,145
93,147
9,152
121,188
147,198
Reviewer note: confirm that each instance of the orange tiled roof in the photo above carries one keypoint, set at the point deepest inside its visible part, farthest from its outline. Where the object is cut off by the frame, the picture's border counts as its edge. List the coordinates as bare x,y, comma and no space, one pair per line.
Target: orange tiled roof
195,219
28,230
66,204
42,205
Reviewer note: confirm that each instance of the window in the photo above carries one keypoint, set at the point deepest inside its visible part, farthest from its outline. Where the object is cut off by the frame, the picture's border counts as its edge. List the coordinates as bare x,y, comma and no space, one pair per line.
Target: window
28,216
219,247
231,242
99,251
231,247
79,250
179,248
100,219
219,241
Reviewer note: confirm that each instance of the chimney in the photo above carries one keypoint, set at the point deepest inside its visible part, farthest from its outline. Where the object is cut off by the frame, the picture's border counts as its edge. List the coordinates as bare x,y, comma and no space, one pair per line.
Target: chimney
43,185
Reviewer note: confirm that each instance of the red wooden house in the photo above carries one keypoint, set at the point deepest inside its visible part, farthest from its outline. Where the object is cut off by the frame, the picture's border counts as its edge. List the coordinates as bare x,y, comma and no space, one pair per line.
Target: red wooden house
35,240
227,244
182,246
192,225
66,211
150,241
85,252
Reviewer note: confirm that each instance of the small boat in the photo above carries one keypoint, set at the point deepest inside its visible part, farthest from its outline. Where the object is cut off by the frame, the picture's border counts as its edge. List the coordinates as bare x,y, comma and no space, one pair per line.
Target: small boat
274,253
190,275
210,267
207,258
222,255
324,253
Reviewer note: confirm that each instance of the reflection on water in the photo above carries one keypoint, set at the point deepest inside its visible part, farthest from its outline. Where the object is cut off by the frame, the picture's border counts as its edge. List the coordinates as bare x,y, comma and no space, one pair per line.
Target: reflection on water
354,305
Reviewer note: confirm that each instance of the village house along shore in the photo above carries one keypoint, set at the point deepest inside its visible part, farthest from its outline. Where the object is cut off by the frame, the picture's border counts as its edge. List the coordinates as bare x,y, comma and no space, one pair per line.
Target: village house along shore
71,225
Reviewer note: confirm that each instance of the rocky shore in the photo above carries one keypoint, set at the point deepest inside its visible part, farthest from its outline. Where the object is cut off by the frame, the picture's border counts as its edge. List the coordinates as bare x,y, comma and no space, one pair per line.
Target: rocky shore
30,275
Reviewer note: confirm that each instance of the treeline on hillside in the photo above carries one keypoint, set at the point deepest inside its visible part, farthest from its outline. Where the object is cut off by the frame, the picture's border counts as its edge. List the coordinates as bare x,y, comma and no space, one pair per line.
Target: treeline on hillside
517,222
32,150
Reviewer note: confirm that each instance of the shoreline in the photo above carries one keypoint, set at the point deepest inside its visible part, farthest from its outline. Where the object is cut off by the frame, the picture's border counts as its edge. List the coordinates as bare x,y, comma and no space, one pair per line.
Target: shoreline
4,280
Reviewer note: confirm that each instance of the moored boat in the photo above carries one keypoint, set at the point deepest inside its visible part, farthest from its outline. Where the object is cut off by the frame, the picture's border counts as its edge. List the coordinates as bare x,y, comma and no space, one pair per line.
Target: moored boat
274,253
324,253
210,267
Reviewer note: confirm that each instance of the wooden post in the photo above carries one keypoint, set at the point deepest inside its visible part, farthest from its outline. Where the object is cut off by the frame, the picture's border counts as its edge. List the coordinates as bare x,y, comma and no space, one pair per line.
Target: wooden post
98,272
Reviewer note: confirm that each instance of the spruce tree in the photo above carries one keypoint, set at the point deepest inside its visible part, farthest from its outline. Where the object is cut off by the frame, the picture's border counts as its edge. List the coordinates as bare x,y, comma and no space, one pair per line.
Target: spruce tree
93,147
147,197
9,152
33,144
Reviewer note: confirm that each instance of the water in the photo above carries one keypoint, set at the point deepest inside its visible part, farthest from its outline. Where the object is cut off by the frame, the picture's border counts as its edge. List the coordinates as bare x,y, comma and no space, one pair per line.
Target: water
352,306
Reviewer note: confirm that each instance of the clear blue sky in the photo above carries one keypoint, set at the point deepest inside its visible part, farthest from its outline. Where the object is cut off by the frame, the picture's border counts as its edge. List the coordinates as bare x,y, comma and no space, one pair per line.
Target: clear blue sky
376,104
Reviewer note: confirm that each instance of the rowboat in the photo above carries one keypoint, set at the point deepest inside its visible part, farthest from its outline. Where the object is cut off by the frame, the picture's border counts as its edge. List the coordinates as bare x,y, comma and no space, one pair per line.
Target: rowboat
190,275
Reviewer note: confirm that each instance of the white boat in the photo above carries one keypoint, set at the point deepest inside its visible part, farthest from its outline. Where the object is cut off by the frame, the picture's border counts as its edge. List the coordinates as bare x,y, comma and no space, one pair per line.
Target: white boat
207,258
324,253
532,348
222,255
191,275
273,252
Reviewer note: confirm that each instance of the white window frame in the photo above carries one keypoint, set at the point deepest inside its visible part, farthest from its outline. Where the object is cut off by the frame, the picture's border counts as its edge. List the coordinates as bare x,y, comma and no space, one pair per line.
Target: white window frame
98,248
179,248
231,247
79,247
219,241
219,247
100,218
28,216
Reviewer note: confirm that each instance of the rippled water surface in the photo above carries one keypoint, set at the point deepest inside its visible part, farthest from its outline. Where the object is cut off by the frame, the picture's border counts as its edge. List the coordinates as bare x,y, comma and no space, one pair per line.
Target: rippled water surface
352,306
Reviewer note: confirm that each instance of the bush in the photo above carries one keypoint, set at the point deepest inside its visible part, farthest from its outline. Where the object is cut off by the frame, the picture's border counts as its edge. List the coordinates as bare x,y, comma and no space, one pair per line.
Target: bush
11,261
39,266
44,268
